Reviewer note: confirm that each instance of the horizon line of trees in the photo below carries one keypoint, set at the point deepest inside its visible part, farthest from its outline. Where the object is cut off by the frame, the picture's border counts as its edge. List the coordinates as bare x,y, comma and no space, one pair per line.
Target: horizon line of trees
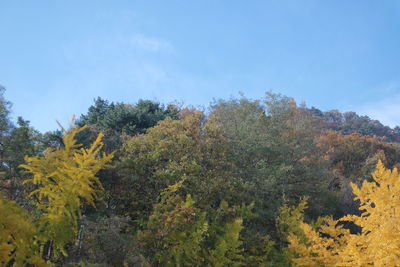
228,187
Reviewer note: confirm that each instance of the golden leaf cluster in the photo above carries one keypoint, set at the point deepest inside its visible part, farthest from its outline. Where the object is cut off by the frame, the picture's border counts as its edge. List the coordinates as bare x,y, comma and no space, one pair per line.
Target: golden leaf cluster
378,241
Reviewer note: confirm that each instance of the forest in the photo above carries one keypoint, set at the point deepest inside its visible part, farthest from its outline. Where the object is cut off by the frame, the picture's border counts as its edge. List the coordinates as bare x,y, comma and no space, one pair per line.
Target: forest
243,182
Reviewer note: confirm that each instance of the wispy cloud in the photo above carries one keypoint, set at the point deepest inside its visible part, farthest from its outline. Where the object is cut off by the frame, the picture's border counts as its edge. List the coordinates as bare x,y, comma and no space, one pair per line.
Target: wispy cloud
152,44
117,68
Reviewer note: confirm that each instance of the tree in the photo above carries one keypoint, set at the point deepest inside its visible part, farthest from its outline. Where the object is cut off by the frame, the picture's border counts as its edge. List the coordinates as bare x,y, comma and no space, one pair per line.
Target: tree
116,119
107,240
19,240
5,107
191,148
20,142
5,127
179,234
351,122
175,231
64,177
272,147
352,158
377,243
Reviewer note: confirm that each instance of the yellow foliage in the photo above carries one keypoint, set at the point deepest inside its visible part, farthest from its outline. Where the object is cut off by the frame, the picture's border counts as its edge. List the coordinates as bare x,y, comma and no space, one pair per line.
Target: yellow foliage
17,236
378,243
64,176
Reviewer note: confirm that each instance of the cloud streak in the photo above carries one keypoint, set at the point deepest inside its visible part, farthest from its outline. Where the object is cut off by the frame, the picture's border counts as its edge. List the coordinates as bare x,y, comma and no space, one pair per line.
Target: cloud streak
152,44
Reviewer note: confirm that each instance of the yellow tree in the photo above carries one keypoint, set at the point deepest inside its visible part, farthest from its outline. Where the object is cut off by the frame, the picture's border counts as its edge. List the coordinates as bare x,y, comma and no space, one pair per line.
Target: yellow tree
64,177
377,244
18,241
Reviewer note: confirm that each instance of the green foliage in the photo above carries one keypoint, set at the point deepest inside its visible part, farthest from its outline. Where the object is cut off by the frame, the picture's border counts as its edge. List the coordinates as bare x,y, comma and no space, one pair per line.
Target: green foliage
106,240
5,128
21,141
272,146
190,188
116,119
289,218
350,122
5,107
175,149
227,251
126,118
175,231
225,245
179,234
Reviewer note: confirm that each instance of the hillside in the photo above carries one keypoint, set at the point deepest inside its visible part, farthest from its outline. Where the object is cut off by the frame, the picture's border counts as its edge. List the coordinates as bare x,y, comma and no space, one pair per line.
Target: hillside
178,186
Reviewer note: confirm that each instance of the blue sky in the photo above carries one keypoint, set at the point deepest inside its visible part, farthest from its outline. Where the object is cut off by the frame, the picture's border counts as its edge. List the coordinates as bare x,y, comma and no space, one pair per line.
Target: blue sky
57,56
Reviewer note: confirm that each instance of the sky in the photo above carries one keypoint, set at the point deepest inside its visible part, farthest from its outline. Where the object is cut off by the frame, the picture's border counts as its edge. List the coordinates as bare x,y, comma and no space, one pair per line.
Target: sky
57,56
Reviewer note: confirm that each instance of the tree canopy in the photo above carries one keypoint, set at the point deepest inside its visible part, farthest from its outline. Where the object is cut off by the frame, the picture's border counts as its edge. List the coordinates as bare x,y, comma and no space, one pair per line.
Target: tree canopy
264,182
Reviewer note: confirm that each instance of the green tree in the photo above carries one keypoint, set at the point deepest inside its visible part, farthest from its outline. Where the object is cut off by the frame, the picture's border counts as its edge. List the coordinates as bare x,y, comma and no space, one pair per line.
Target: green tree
116,119
21,141
273,151
175,231
179,234
190,148
5,127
